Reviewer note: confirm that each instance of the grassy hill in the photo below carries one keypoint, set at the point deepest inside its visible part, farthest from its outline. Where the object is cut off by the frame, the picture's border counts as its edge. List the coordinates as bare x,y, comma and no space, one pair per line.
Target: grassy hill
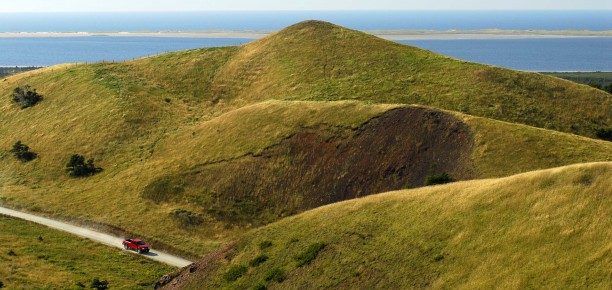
205,144
316,60
543,229
201,185
36,257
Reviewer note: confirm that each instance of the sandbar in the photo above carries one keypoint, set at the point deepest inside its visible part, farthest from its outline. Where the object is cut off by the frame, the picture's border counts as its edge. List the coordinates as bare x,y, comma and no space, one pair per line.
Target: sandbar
386,34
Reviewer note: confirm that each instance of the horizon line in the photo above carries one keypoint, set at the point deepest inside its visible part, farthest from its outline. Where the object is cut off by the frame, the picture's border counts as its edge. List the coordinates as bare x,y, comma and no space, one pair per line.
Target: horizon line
325,10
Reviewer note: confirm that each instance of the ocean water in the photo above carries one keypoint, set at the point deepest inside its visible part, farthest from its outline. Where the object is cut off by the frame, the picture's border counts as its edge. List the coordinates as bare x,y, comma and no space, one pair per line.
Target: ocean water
49,51
540,54
557,54
563,54
274,20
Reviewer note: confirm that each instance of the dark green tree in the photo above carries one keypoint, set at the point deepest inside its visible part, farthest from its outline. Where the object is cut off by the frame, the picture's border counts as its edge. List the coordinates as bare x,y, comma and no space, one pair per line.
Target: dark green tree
22,152
99,284
26,96
77,167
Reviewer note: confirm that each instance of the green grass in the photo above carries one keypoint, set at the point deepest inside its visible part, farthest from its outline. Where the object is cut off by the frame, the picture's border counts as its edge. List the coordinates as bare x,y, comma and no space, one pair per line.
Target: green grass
36,257
543,229
600,78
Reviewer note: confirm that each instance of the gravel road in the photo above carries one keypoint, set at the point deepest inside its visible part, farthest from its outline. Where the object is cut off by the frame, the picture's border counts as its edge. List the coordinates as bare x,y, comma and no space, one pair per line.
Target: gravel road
103,238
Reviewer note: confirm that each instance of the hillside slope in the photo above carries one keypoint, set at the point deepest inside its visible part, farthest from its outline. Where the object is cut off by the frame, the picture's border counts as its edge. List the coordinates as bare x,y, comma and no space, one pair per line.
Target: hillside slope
544,229
205,183
315,60
207,143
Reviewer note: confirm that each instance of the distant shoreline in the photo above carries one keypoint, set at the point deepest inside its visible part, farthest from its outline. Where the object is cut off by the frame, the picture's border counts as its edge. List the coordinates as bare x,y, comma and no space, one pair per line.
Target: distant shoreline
386,34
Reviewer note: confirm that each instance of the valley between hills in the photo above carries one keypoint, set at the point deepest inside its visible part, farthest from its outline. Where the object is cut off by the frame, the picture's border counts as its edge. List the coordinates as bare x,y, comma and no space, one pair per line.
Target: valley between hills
314,158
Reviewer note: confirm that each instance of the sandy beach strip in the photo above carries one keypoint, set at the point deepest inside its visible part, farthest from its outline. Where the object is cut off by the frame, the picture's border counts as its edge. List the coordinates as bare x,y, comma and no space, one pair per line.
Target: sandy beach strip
386,34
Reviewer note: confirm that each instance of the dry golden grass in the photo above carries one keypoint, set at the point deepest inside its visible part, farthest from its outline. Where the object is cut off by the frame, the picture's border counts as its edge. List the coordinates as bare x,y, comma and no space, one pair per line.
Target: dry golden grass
544,229
163,115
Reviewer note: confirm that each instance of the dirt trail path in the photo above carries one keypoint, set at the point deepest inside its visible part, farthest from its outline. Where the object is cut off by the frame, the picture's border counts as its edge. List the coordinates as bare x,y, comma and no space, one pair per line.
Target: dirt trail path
103,238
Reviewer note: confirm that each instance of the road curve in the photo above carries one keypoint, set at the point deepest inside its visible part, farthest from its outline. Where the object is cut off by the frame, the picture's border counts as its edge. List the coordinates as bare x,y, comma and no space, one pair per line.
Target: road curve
103,238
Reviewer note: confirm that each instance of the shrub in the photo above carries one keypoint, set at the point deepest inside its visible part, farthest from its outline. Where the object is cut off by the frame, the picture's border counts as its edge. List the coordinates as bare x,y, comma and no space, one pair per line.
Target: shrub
22,152
276,274
99,284
186,218
235,272
441,178
265,244
26,96
2,284
604,134
11,253
310,254
77,167
260,286
258,260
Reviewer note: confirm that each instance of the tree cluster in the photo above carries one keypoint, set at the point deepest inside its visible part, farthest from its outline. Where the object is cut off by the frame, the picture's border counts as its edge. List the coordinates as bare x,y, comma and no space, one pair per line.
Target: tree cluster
22,152
77,167
26,96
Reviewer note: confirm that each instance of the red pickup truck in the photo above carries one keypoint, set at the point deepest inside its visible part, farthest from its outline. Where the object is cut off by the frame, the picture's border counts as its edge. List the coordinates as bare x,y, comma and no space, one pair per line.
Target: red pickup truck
136,245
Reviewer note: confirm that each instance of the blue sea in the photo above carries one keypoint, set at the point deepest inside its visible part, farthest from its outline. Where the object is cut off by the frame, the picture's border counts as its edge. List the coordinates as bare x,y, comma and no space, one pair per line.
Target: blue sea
560,54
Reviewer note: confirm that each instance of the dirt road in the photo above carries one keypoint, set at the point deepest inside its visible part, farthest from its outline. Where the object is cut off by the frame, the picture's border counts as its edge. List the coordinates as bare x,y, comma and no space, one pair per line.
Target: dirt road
103,238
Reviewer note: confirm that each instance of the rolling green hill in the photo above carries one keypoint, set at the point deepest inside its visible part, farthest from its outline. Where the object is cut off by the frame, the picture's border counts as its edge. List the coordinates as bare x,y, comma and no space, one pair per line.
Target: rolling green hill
204,184
206,144
544,229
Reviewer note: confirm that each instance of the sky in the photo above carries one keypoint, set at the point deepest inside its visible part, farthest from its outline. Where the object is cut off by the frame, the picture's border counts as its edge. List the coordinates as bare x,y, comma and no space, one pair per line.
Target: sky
232,5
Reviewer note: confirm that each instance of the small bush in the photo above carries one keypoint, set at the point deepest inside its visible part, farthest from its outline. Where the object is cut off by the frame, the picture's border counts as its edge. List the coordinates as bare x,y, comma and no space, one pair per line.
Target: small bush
22,152
265,244
77,167
310,254
438,258
258,260
99,284
276,275
2,284
441,178
11,253
235,272
186,218
26,96
604,134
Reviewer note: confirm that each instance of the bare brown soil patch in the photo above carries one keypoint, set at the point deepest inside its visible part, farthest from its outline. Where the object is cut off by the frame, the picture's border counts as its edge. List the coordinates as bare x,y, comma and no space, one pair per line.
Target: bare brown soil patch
318,166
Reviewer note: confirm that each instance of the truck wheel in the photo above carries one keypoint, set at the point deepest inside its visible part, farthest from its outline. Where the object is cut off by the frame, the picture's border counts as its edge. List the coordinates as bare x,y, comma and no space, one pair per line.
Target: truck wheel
139,251
125,246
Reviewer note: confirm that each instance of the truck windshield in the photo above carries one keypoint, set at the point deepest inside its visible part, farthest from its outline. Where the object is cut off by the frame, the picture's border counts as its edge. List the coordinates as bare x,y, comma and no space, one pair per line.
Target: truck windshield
140,243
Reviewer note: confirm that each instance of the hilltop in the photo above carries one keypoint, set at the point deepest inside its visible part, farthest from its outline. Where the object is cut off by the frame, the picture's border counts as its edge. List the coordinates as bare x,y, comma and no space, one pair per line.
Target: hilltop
207,144
543,229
